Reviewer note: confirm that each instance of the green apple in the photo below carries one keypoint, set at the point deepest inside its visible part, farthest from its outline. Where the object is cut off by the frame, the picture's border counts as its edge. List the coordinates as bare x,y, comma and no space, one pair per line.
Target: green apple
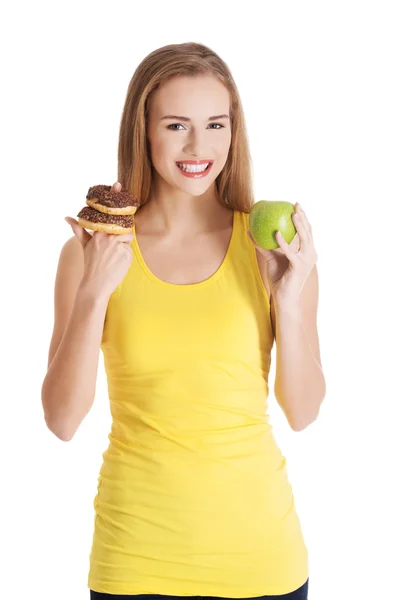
266,217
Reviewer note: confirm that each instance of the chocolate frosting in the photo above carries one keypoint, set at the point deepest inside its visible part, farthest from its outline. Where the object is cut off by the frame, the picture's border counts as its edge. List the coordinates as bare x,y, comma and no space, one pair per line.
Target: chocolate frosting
91,214
108,197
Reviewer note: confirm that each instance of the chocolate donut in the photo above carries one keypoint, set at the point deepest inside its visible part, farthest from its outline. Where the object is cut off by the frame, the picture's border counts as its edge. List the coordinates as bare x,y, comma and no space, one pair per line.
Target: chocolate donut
106,200
90,218
108,210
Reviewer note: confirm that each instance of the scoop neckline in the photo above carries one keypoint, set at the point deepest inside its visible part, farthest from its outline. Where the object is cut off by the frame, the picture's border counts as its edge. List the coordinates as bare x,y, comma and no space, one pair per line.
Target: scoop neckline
198,284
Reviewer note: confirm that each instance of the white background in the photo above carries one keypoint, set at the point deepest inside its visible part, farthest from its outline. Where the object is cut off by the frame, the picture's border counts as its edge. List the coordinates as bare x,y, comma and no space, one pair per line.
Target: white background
318,81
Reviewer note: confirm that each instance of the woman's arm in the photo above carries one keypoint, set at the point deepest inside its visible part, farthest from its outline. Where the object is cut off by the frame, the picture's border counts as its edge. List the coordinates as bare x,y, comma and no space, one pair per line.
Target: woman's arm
299,383
69,387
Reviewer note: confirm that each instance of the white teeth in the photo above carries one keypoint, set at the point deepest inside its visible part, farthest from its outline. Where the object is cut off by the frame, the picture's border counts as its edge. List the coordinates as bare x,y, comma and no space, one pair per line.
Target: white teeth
193,168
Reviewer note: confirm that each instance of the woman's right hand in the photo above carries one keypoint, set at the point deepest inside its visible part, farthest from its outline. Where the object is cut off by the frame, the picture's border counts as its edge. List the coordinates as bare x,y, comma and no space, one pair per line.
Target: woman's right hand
107,256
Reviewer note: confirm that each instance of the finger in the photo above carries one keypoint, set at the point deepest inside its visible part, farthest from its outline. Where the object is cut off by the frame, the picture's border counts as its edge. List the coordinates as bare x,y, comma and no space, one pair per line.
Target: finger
125,237
301,229
304,230
116,187
80,232
284,246
303,219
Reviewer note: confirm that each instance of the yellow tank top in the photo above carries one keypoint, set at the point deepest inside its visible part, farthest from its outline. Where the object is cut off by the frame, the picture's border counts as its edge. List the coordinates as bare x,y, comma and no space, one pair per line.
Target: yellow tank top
193,496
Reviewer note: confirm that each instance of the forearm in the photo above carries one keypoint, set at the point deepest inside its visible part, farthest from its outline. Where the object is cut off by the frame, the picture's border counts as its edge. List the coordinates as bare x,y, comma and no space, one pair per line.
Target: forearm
299,383
68,389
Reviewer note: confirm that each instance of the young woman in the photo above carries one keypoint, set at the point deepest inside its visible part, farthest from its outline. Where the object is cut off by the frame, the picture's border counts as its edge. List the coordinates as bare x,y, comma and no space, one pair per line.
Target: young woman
193,496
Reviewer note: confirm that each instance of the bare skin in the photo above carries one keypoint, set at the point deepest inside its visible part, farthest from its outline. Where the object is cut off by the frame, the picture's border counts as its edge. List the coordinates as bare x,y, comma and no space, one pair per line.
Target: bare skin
180,207
183,230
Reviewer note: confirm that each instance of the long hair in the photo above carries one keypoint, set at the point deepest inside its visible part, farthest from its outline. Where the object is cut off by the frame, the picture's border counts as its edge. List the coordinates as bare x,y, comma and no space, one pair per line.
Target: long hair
234,183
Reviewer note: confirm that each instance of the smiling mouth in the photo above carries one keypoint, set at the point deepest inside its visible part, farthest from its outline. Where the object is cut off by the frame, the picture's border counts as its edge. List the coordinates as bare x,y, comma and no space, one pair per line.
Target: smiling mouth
193,168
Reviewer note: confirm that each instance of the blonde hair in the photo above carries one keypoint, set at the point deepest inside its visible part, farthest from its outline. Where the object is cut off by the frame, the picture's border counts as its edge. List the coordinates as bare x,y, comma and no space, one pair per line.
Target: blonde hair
234,183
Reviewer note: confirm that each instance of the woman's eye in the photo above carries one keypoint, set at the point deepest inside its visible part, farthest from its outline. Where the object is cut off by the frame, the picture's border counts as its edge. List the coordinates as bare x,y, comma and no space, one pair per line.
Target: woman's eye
177,124
173,125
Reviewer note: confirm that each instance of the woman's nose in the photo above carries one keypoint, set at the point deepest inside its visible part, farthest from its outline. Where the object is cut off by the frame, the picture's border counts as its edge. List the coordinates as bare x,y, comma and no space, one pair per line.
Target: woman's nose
196,144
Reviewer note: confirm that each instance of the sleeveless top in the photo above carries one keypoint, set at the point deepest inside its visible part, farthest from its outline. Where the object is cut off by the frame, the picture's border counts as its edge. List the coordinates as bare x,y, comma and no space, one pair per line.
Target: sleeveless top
193,496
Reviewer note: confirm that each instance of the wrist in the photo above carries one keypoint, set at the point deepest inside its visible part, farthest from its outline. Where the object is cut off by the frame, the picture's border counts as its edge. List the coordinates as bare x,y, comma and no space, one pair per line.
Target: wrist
287,304
87,292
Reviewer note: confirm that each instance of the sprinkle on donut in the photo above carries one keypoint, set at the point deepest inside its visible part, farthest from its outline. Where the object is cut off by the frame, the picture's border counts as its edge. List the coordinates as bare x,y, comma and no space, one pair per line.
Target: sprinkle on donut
108,197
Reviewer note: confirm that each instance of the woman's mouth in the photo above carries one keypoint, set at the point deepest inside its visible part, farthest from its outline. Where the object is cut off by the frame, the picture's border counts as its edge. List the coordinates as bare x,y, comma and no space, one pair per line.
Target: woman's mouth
195,171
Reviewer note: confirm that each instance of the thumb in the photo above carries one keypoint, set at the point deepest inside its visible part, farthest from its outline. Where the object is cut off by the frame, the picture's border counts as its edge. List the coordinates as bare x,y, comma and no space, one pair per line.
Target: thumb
81,233
116,187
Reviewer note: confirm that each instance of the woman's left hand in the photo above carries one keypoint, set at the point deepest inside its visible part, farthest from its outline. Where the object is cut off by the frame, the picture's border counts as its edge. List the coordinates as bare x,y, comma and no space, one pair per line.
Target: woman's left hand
289,266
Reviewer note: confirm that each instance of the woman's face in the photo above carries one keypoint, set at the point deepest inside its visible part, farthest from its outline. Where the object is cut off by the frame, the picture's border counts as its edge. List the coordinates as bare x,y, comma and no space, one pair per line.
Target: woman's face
195,137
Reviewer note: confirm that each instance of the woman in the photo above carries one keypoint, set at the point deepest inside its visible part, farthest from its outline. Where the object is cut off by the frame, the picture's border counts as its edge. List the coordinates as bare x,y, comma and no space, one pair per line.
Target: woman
193,495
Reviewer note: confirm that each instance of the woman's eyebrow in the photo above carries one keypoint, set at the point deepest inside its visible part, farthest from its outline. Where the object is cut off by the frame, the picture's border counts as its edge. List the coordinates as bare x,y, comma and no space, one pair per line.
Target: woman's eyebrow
187,118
